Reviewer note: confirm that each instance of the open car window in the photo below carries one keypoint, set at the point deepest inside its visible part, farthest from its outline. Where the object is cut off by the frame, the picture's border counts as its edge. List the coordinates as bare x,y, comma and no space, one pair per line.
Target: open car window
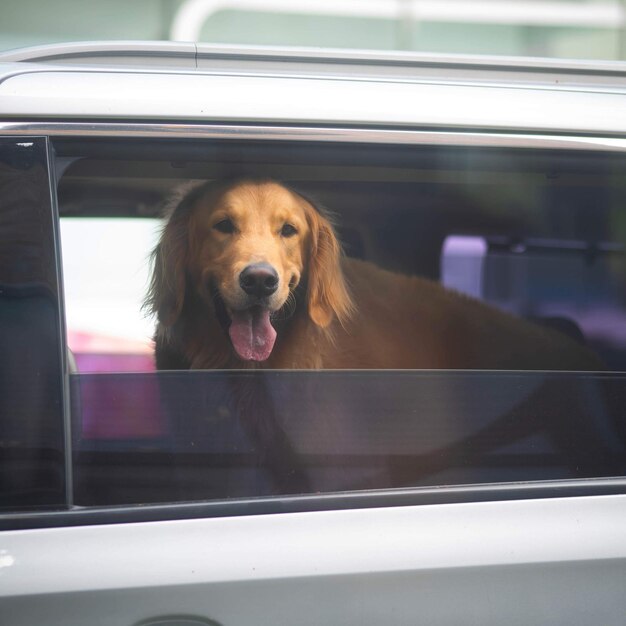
538,234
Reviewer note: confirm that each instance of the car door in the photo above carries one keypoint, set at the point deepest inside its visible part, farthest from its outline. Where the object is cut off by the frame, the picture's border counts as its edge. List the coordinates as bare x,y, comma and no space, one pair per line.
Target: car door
131,496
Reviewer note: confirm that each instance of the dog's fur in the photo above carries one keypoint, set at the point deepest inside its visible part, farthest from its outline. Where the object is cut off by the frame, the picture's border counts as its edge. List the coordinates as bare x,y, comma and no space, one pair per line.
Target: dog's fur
328,311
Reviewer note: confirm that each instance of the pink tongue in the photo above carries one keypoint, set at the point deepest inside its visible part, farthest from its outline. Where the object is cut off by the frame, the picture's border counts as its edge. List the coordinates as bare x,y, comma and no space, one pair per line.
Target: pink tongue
252,333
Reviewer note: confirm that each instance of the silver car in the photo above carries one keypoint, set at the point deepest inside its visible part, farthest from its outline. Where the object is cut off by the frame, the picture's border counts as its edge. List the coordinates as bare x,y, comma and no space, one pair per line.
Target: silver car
133,496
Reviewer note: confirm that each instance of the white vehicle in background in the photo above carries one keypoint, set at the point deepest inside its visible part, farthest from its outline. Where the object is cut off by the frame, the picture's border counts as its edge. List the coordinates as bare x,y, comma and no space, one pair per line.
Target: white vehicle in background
130,496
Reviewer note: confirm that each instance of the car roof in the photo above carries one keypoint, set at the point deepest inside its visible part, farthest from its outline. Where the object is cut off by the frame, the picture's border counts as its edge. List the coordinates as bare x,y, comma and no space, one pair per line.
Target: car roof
147,81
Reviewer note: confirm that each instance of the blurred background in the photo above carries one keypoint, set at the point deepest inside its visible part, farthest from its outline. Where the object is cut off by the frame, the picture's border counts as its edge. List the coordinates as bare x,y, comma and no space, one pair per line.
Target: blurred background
590,29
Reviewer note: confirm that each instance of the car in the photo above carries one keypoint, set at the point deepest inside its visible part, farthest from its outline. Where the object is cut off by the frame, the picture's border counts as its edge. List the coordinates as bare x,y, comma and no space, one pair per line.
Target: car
136,496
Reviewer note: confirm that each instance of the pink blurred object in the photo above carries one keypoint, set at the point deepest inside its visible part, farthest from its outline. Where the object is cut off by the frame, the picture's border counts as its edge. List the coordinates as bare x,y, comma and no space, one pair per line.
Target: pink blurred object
114,362
101,353
111,410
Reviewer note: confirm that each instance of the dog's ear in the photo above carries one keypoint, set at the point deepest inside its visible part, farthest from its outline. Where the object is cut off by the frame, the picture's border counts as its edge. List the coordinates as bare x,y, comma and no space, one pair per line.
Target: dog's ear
166,292
327,294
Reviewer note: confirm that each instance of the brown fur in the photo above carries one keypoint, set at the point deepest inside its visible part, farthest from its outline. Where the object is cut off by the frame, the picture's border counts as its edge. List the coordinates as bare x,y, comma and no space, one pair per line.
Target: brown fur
329,311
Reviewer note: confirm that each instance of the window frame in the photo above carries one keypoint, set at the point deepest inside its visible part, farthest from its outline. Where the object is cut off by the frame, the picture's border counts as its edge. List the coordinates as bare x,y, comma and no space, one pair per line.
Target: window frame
48,246
72,515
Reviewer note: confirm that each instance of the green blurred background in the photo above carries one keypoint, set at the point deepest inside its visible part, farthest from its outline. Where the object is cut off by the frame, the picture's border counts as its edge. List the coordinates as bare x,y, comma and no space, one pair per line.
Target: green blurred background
592,29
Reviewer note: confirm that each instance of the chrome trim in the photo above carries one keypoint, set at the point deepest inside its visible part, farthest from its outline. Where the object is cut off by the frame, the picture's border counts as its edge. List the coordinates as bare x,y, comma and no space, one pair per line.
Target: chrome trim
311,133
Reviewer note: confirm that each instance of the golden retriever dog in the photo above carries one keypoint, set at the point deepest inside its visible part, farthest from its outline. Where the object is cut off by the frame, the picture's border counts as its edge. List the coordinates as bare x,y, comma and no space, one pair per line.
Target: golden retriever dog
250,273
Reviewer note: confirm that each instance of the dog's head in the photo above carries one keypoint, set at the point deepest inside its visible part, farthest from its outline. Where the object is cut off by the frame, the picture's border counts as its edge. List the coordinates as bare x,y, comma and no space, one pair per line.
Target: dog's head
244,247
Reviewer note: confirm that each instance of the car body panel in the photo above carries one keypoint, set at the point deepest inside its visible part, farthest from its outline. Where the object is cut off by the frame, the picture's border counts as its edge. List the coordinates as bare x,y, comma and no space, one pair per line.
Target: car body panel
155,81
515,557
563,560
113,95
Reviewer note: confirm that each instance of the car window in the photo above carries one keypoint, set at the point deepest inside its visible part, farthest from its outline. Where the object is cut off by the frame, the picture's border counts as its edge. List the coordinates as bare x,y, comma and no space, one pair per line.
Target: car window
538,234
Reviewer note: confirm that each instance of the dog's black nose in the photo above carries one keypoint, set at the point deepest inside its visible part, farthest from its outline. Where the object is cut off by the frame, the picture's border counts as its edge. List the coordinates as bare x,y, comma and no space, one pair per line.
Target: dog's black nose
259,279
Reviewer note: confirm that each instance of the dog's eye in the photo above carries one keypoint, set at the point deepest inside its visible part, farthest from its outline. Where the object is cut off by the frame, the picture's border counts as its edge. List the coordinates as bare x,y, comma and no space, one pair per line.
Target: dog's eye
225,226
288,230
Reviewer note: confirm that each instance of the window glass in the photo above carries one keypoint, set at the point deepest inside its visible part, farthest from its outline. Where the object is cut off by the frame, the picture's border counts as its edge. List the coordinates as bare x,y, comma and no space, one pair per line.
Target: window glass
520,378
32,465
181,436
